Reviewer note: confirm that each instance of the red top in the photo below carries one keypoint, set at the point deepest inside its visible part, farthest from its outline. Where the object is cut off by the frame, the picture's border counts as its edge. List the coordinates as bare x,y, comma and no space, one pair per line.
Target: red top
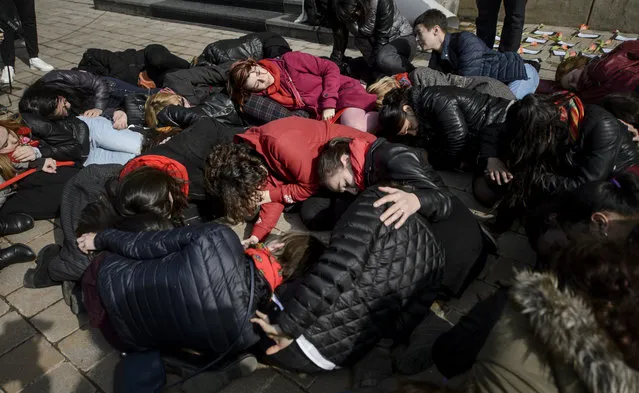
168,165
290,147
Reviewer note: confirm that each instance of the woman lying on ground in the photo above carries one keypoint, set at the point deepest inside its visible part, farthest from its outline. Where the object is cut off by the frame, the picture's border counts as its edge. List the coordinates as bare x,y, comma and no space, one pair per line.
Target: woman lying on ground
157,187
592,80
446,121
38,195
551,145
77,93
362,289
427,77
199,295
302,81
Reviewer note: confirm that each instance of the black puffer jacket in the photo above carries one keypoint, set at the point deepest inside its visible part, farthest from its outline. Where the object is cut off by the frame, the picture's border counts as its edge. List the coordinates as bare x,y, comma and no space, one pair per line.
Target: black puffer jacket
218,106
395,162
604,148
181,288
92,86
65,139
266,45
372,282
192,146
451,120
382,24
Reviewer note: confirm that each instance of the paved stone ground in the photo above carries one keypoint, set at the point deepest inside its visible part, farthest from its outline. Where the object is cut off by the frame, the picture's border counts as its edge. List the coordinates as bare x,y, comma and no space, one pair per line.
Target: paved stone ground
45,348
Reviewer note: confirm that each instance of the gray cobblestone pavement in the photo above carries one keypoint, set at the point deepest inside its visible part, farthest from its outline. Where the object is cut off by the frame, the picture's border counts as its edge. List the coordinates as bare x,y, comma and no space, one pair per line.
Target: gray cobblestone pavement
43,346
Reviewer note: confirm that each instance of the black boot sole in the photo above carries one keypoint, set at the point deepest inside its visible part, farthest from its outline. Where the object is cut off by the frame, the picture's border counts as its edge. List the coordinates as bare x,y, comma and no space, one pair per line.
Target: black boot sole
39,276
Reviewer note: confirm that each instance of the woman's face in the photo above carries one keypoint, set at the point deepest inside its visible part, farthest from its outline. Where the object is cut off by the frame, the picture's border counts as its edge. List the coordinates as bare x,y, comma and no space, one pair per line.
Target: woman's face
411,124
259,79
8,141
62,108
570,81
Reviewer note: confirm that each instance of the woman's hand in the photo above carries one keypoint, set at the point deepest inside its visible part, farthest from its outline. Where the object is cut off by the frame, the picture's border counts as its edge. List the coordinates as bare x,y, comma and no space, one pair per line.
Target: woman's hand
251,241
95,112
632,129
49,166
404,205
86,242
274,332
24,153
328,114
119,120
497,171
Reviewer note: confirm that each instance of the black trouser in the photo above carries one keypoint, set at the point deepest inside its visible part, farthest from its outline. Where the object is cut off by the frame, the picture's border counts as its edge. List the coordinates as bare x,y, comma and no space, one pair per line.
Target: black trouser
321,213
396,56
26,12
455,351
158,61
39,194
513,23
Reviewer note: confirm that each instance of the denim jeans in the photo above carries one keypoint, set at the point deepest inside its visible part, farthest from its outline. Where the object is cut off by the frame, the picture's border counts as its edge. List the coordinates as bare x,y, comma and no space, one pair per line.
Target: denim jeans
108,145
522,88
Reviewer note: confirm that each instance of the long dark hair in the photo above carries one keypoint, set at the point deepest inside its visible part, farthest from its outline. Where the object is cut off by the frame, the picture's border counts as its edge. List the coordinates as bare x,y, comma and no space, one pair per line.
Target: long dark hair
144,190
606,276
42,98
624,106
537,142
391,114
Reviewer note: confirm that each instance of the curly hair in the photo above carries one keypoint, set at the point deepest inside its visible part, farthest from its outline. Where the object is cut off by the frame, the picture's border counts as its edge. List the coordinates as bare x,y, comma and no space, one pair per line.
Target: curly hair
606,276
238,74
236,173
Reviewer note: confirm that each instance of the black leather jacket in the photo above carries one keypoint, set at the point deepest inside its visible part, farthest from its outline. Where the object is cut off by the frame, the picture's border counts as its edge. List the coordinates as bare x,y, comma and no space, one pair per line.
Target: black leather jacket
65,139
97,87
387,161
452,119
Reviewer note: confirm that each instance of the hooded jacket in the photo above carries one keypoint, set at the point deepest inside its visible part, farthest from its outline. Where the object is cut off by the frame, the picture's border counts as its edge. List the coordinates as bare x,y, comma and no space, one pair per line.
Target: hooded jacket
452,120
181,288
290,148
466,54
547,340
372,282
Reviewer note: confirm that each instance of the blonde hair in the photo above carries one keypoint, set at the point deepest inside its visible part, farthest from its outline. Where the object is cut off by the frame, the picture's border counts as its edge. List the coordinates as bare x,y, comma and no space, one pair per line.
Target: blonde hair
569,64
155,103
7,170
382,87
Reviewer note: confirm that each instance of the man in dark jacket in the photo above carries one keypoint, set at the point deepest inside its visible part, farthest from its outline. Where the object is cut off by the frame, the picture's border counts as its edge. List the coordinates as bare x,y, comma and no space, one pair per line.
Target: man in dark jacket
466,54
351,166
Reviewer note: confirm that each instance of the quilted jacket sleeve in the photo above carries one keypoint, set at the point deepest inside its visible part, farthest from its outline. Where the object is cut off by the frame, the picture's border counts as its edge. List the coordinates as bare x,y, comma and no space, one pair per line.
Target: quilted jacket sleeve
337,271
309,64
148,245
595,160
178,116
441,110
84,80
470,51
407,166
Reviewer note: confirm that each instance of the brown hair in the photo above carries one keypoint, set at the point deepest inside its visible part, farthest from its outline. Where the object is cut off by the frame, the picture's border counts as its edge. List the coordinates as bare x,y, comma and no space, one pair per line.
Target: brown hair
238,74
570,64
155,103
382,87
236,173
7,170
330,158
606,276
300,252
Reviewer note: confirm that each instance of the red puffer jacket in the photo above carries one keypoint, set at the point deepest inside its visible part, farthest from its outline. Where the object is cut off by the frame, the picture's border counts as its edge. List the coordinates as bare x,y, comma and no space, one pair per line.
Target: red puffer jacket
321,86
615,72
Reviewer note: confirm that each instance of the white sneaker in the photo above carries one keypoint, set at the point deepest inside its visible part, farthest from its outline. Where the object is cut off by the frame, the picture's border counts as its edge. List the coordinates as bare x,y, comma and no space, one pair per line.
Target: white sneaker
7,74
36,63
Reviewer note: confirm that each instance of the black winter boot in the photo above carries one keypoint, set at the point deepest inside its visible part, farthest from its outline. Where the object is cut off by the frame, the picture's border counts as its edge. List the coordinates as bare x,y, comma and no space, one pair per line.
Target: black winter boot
39,277
17,253
15,223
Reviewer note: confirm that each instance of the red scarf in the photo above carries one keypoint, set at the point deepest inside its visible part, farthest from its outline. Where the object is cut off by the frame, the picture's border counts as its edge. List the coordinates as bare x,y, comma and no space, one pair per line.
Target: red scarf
277,91
24,139
359,147
572,112
266,263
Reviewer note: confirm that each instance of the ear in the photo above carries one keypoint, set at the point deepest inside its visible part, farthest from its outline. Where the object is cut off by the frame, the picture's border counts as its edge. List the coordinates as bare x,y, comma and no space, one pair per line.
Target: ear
601,222
346,160
407,109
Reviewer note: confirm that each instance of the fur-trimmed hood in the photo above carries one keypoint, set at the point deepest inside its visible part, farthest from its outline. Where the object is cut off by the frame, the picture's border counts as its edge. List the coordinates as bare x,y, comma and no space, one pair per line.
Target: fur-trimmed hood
566,326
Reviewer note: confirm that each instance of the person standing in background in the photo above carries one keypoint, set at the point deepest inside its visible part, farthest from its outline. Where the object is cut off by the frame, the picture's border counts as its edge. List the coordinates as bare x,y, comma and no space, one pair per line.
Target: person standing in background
513,23
26,12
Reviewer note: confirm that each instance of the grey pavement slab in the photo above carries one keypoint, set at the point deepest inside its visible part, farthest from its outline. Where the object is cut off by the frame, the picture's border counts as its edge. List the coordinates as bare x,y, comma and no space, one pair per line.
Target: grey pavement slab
85,348
14,330
102,373
63,379
26,363
57,321
29,301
